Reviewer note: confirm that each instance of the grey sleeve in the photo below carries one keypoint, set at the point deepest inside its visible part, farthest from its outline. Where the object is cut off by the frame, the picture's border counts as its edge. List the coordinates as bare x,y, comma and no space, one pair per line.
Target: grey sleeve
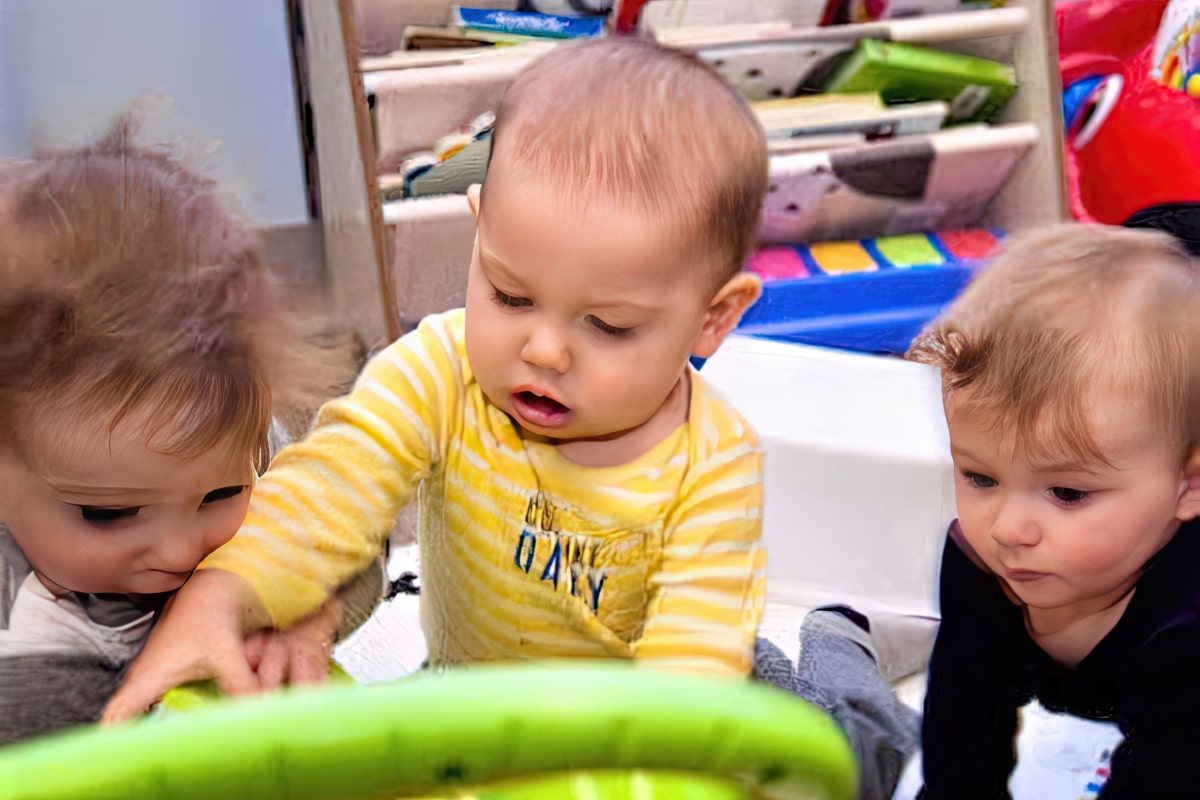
44,693
360,596
13,570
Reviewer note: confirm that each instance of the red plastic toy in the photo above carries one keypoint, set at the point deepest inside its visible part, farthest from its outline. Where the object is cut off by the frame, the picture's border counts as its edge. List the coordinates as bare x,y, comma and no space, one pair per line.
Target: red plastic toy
1133,143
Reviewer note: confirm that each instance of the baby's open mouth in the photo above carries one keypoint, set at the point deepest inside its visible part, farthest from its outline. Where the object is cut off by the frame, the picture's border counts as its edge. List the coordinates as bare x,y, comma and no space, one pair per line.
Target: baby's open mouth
545,405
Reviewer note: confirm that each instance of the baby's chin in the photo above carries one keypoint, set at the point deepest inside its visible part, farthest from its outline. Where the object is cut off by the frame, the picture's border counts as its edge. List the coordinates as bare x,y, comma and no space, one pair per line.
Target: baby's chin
146,582
159,581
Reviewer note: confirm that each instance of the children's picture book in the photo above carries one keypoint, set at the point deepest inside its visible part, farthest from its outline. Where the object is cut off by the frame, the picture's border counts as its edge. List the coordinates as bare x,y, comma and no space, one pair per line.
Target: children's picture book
429,37
527,23
820,141
762,71
931,29
913,183
667,14
974,87
840,12
847,113
661,14
779,60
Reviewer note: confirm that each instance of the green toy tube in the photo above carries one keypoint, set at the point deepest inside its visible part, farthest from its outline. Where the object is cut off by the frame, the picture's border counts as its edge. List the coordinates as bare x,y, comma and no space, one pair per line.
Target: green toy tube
612,785
434,733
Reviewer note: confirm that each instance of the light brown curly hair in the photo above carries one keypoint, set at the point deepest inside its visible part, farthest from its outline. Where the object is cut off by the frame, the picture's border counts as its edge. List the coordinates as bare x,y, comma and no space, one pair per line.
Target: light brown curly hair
1063,312
127,285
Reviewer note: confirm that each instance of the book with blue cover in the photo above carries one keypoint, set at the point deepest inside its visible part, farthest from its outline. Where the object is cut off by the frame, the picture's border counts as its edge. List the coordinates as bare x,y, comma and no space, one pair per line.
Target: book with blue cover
528,23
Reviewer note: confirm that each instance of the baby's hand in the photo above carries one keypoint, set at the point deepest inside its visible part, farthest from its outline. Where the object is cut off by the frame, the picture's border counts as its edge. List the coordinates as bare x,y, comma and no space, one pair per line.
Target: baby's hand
201,635
297,655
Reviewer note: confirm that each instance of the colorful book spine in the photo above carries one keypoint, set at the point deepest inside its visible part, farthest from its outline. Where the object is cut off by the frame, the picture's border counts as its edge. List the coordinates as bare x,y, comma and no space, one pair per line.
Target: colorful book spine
527,23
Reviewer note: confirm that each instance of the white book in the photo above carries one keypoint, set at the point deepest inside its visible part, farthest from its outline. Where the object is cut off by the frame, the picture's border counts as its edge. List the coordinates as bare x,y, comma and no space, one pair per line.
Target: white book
670,14
913,183
823,114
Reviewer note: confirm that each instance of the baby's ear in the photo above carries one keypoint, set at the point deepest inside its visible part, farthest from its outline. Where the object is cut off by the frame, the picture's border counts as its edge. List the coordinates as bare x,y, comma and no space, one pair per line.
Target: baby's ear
10,467
725,311
1189,503
473,199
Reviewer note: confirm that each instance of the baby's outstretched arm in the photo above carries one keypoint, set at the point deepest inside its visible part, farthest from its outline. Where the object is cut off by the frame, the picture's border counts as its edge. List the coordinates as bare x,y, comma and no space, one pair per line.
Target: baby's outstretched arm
201,635
321,513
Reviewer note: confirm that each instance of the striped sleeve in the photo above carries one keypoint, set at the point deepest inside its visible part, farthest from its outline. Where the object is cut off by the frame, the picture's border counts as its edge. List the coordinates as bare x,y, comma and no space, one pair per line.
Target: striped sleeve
707,598
323,510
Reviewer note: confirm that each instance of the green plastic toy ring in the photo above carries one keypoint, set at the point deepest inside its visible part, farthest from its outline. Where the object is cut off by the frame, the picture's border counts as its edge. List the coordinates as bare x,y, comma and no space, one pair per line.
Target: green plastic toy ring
490,728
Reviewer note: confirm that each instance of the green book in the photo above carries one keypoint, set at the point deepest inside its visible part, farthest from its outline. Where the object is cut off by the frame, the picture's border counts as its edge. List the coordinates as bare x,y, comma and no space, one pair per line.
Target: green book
975,88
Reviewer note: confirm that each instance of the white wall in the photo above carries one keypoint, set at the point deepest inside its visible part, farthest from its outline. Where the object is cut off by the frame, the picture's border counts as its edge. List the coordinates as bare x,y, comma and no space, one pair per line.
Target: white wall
68,66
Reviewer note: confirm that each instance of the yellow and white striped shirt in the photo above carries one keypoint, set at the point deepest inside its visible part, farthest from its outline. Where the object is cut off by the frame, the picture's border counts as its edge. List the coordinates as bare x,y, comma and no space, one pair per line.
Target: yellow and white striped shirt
523,553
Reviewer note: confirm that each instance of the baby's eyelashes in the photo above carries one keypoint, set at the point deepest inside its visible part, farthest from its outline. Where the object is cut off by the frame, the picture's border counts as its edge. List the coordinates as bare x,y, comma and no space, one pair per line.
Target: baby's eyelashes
508,301
223,493
102,515
604,327
514,302
1068,496
979,481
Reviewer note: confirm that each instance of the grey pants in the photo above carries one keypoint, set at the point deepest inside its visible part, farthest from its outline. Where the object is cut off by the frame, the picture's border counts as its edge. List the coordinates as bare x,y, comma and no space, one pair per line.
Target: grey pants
839,673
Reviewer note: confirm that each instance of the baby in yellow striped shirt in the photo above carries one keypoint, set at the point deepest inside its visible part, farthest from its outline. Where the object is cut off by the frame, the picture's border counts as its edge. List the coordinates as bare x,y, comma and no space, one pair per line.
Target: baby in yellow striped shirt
583,492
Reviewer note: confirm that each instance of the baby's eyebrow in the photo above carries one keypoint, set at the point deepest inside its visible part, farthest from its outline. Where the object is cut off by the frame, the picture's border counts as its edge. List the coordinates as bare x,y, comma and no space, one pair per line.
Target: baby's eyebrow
489,259
1067,466
958,452
85,490
624,305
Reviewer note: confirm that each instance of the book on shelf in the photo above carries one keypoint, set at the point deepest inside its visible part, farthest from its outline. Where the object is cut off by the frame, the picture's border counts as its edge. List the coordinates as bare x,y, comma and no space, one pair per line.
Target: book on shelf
778,60
974,87
821,141
484,21
841,12
427,37
931,29
658,15
912,183
863,113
